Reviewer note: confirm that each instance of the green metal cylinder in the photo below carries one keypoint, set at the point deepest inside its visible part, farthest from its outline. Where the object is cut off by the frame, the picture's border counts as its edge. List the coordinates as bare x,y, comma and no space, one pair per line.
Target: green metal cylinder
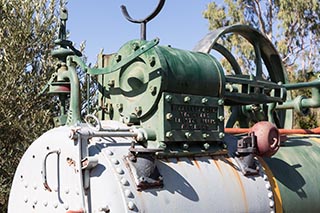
190,72
145,70
297,173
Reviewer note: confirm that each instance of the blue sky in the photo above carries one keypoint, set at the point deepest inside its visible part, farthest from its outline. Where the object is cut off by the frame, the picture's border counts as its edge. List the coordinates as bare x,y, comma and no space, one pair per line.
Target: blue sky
101,24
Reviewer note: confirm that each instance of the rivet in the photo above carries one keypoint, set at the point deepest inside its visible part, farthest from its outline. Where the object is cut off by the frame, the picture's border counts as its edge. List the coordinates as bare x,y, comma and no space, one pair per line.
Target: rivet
67,191
35,187
204,100
169,116
128,193
25,185
45,203
270,195
221,118
114,161
104,209
271,203
35,202
55,205
119,171
124,182
66,206
26,200
221,135
131,205
188,134
265,177
187,99
169,134
109,152
268,186
220,102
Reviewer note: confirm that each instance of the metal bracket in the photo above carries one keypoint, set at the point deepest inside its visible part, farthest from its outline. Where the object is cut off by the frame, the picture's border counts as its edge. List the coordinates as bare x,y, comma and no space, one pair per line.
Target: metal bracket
246,148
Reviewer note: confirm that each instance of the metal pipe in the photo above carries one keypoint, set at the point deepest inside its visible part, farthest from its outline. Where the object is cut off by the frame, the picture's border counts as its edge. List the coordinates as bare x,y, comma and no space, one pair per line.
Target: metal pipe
281,131
71,74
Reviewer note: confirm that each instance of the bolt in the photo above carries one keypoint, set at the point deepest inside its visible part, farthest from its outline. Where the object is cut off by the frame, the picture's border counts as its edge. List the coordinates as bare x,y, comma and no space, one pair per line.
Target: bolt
204,100
205,135
187,134
220,102
169,116
135,46
169,134
168,98
162,145
45,203
187,99
118,58
221,118
221,135
185,146
111,83
206,146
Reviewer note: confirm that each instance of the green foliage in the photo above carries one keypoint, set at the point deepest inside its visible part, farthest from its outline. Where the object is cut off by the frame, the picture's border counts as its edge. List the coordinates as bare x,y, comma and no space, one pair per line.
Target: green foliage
292,25
27,29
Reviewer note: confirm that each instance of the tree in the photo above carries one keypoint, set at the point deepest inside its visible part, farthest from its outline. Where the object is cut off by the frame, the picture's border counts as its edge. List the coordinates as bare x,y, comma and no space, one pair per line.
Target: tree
292,26
27,31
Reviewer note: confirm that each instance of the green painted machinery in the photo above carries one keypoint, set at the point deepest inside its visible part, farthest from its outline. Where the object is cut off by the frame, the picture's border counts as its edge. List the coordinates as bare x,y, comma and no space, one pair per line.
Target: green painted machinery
163,137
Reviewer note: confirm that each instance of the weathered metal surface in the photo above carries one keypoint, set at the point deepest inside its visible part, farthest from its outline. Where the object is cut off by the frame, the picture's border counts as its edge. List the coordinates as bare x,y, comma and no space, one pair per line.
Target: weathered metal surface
296,169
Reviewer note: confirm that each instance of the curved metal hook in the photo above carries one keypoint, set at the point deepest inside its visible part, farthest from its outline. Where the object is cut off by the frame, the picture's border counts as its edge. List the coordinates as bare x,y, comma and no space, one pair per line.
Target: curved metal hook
143,22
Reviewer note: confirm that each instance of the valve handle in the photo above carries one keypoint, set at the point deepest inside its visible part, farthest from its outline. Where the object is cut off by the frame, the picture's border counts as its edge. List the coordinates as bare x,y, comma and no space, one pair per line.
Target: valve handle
142,22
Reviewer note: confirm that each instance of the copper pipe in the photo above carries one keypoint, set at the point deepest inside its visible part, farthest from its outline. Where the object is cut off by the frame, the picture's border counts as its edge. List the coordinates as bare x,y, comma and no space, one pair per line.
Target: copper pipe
281,131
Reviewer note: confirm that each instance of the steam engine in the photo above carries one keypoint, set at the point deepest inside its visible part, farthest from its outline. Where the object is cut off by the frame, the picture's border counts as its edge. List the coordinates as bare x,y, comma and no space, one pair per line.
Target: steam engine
160,140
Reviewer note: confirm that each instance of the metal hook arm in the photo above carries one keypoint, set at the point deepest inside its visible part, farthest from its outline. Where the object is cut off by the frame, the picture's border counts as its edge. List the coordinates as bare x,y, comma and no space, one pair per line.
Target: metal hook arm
144,21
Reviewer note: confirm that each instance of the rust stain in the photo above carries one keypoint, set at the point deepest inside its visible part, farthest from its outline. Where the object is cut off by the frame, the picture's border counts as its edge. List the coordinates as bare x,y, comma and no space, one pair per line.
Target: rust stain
238,178
215,160
196,162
